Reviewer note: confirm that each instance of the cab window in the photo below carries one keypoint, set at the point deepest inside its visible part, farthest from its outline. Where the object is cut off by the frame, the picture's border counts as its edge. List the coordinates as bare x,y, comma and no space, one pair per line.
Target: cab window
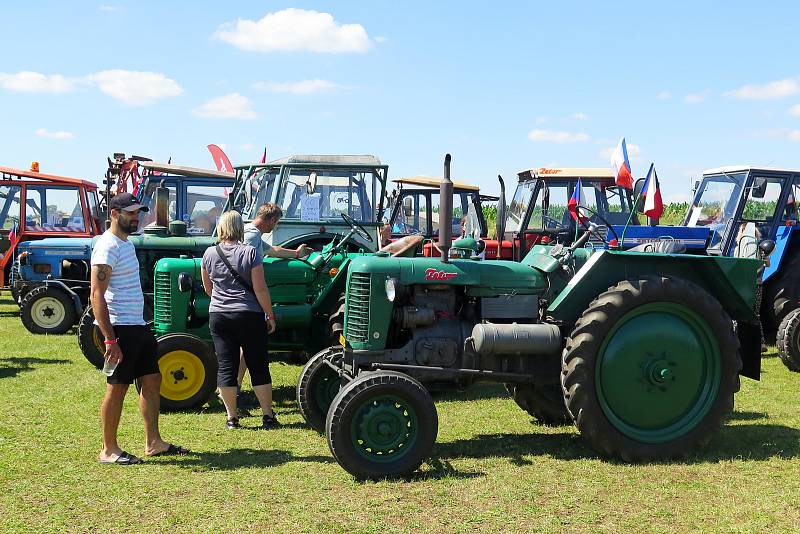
54,209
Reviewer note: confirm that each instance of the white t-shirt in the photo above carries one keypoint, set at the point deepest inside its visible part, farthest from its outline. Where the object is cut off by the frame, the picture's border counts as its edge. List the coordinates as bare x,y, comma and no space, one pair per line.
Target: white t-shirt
124,295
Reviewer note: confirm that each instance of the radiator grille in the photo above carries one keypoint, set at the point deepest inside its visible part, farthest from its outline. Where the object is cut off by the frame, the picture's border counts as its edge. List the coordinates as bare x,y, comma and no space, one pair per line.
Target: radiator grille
162,308
357,310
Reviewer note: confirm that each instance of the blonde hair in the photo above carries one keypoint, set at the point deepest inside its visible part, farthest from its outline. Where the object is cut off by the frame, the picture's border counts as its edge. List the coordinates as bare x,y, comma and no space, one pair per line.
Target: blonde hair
269,211
230,227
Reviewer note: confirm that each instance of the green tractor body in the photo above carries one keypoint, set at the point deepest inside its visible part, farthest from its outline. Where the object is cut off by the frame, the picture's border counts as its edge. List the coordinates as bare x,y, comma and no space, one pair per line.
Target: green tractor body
641,351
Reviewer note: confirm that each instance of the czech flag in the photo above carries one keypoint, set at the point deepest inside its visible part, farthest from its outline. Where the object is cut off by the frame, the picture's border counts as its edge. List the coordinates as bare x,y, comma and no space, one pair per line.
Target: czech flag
576,201
12,234
653,206
621,165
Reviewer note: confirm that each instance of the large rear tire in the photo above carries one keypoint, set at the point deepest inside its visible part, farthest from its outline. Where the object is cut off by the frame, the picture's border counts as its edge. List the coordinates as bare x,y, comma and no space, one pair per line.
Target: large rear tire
544,402
783,295
317,386
650,370
788,341
47,310
382,424
90,339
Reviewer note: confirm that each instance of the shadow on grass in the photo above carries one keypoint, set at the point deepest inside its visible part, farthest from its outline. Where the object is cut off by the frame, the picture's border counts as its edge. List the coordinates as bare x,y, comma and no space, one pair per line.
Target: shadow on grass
748,416
239,459
283,400
9,313
10,367
475,392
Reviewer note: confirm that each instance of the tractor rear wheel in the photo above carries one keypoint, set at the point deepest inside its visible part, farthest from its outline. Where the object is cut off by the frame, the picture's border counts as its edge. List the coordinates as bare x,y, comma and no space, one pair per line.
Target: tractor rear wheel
336,321
90,339
544,402
382,424
47,310
188,372
788,339
317,386
783,295
650,370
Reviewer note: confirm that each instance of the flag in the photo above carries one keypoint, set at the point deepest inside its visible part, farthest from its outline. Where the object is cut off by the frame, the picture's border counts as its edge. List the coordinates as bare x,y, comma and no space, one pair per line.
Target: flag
653,206
220,159
264,157
12,234
621,165
576,201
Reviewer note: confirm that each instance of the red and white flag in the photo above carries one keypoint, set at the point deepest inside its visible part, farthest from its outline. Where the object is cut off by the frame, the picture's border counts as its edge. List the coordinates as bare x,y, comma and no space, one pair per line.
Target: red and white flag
622,165
264,157
577,201
220,159
653,205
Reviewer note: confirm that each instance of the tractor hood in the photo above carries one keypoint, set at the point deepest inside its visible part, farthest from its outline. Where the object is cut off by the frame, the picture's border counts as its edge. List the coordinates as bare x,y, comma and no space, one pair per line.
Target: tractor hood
500,276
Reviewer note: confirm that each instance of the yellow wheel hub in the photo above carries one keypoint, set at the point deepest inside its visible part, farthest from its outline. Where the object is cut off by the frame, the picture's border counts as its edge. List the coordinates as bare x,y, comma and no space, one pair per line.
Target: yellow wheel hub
182,375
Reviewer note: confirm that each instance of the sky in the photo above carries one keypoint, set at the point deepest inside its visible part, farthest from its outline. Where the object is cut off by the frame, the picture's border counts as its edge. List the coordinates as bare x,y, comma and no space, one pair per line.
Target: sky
502,86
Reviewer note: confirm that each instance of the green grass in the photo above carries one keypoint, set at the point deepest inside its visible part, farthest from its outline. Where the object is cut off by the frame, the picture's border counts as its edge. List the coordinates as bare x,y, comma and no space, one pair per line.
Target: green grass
492,470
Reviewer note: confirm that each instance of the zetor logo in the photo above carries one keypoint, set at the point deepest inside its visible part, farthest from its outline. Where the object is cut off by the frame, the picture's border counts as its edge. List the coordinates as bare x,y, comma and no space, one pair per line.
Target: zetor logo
433,274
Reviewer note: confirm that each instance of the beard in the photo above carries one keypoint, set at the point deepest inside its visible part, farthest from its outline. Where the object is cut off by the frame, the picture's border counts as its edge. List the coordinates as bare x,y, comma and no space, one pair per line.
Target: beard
128,226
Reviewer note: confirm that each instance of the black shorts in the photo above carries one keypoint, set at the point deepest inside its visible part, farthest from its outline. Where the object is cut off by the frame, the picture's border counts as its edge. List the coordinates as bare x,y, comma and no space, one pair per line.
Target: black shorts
233,332
139,354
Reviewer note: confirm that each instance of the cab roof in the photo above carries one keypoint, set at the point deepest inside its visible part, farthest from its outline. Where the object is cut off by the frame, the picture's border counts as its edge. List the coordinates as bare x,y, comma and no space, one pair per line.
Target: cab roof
745,168
568,173
364,160
428,181
180,170
11,173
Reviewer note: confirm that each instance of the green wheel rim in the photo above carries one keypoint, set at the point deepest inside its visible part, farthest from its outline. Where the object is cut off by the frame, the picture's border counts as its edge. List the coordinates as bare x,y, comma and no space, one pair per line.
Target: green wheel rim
325,388
384,429
658,372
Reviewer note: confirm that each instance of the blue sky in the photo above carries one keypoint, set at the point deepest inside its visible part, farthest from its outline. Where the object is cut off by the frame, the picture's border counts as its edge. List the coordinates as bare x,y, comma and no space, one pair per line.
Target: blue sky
502,86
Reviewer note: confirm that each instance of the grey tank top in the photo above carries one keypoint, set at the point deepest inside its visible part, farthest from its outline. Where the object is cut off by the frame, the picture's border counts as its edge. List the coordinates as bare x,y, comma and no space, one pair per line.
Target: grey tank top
228,294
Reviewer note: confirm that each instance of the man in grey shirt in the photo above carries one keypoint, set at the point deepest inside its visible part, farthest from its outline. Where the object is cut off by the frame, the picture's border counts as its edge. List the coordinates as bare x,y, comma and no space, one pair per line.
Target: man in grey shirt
267,217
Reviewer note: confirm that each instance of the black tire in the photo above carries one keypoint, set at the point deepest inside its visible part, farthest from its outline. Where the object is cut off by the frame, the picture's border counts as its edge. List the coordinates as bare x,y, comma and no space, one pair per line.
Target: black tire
783,295
90,339
683,305
387,402
788,341
317,386
545,402
185,358
336,321
47,310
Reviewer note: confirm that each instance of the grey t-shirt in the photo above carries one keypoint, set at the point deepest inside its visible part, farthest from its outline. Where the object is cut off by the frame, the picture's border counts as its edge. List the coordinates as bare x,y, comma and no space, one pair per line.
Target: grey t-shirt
252,237
227,294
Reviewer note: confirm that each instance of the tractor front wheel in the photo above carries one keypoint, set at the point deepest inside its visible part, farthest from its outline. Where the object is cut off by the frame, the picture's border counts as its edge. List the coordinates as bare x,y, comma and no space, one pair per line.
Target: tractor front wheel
382,424
317,386
47,310
788,339
188,371
650,370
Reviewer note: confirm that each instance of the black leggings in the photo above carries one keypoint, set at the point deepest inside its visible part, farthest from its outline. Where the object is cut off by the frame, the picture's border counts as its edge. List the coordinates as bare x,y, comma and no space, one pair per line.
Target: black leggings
232,331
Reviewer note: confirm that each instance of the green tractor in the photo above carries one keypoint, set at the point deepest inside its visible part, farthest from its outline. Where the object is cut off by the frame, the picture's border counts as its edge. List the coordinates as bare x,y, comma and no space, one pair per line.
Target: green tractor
642,351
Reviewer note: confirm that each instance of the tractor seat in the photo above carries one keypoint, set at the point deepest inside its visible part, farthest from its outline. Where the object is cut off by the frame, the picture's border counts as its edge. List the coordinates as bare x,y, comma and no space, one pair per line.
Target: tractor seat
403,245
666,246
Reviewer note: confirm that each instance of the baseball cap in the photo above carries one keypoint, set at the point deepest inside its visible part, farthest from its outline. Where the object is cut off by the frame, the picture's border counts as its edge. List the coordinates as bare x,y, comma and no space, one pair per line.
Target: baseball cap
125,202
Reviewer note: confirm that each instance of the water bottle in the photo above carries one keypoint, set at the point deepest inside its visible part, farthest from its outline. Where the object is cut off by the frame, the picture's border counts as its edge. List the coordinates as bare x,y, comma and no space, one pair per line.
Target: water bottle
109,368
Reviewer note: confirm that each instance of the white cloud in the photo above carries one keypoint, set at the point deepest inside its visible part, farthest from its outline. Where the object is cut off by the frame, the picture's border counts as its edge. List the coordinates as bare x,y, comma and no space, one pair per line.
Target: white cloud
108,7
295,30
35,82
795,110
793,135
580,116
135,88
664,95
232,106
557,137
381,39
696,98
303,87
61,135
767,91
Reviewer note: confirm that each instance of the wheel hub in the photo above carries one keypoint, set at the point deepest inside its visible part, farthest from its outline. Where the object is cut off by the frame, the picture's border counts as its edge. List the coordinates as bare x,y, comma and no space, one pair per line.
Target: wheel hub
384,427
48,312
183,374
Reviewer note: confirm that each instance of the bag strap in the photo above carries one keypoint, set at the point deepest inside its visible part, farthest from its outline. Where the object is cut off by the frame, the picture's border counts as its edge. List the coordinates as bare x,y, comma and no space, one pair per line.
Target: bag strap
233,271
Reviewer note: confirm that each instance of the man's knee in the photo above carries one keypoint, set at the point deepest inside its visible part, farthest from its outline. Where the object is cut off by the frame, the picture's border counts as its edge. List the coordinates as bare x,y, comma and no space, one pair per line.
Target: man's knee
116,391
151,383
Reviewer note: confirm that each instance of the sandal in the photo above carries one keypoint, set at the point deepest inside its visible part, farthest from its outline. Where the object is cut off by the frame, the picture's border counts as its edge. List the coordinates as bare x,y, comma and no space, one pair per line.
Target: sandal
233,423
172,450
124,458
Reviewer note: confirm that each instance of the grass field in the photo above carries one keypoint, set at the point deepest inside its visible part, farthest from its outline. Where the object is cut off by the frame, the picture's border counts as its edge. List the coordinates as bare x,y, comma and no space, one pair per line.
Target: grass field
493,470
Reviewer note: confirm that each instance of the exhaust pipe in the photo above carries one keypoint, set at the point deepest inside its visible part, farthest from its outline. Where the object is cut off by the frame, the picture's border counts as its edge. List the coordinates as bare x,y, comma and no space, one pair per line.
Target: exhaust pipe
162,205
446,212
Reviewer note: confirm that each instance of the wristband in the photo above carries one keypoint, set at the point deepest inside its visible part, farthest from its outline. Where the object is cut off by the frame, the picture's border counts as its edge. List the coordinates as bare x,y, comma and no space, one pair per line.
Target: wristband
267,317
111,341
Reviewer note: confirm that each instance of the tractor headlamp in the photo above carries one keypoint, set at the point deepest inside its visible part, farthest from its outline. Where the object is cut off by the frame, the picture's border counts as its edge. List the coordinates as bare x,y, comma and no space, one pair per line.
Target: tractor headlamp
185,282
391,289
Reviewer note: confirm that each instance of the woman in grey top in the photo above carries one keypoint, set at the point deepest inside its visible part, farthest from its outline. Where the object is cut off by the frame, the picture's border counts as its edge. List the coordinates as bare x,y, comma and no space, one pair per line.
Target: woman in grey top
240,316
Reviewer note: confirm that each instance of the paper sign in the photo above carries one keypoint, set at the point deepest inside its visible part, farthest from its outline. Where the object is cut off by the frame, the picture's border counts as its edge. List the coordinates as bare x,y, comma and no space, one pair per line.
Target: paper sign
309,207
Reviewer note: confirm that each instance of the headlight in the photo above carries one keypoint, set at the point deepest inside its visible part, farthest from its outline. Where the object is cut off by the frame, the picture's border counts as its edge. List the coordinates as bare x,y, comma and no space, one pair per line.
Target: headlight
185,282
391,289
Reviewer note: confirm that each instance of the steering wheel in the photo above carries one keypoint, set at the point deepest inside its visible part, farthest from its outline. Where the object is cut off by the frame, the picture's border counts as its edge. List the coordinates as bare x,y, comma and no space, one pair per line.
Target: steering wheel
556,223
360,230
602,219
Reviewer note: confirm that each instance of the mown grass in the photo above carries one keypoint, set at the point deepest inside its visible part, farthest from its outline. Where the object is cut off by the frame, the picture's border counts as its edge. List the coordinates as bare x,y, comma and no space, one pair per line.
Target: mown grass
492,470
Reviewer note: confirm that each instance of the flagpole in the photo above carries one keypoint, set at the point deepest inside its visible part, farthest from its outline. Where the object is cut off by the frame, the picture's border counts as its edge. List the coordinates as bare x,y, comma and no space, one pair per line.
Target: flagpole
630,217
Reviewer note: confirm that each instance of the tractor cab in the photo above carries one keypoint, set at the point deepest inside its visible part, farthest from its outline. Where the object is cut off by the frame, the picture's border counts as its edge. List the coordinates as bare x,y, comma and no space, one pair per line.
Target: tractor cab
314,191
35,206
414,210
539,214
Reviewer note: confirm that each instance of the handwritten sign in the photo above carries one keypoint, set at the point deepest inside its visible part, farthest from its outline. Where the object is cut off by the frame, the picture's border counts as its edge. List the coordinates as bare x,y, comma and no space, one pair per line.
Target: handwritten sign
309,207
